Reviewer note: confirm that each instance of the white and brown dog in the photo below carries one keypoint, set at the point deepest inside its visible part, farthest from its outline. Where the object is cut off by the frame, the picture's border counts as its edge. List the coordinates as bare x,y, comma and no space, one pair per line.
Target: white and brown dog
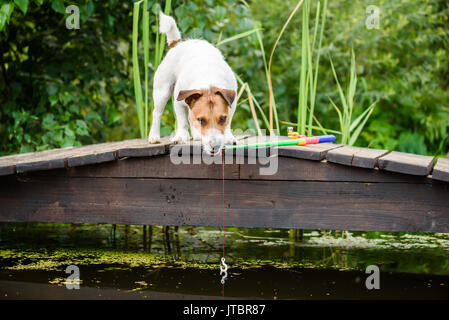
204,86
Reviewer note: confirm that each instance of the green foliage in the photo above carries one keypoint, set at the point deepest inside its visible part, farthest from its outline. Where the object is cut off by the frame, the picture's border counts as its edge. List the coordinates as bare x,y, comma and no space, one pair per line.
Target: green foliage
64,87
350,129
404,64
412,143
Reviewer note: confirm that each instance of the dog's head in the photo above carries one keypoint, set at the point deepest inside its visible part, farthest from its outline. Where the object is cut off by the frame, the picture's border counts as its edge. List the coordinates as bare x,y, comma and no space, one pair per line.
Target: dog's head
209,114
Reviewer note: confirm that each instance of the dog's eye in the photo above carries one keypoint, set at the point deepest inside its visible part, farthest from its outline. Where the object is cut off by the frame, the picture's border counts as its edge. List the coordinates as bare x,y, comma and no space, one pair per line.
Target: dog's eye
222,120
201,121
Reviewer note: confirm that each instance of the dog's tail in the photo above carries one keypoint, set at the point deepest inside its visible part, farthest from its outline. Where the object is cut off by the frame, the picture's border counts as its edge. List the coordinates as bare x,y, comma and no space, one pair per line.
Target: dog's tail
168,26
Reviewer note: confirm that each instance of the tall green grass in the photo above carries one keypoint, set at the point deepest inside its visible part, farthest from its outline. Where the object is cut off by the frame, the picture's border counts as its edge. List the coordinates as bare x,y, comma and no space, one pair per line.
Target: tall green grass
308,76
142,104
350,130
311,44
136,70
272,104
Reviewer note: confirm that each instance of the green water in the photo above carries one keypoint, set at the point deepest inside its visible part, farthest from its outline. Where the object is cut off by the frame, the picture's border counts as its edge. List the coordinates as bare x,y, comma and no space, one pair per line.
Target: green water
183,263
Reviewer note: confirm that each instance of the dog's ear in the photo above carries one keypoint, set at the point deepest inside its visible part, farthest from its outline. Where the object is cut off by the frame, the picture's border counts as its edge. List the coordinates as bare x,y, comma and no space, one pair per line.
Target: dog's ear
227,94
190,96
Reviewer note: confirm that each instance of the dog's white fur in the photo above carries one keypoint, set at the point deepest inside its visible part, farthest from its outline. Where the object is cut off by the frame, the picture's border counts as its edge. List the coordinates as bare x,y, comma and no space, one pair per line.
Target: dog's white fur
191,64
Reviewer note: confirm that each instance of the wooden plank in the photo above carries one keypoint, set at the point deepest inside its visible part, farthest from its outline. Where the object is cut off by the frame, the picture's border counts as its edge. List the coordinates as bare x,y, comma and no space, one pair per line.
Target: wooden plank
355,156
159,166
7,168
58,158
441,170
293,169
264,204
45,160
194,146
288,169
8,163
315,152
77,156
144,149
406,163
98,153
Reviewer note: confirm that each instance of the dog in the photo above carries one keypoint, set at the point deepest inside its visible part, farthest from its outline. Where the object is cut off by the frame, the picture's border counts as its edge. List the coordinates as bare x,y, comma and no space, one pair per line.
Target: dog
204,86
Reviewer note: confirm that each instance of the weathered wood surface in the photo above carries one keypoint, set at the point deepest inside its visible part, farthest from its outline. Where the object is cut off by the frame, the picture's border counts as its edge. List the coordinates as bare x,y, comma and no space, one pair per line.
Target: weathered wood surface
194,146
78,156
106,152
249,203
304,170
441,170
133,182
155,167
315,152
288,169
355,156
406,163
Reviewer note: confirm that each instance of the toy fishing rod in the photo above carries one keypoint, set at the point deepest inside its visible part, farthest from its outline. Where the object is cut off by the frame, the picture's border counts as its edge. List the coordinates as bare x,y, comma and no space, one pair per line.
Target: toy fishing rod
295,140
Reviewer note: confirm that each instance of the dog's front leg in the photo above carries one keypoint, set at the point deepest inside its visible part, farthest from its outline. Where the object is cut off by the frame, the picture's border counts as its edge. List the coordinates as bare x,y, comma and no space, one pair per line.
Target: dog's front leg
228,135
196,134
182,131
160,98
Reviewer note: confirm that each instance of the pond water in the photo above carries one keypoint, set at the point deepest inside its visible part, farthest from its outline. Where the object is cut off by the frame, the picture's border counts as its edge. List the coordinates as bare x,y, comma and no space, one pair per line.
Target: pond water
184,263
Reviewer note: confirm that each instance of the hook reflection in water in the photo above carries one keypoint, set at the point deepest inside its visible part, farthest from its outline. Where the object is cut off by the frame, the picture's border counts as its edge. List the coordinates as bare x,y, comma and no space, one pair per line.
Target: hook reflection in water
224,270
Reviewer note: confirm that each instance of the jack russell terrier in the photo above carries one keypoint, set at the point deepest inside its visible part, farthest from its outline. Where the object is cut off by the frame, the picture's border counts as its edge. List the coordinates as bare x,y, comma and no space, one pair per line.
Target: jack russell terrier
204,86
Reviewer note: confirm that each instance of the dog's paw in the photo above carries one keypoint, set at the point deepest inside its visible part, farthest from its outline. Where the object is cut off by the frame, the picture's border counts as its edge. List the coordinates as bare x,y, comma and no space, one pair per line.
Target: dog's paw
153,138
181,137
229,138
197,137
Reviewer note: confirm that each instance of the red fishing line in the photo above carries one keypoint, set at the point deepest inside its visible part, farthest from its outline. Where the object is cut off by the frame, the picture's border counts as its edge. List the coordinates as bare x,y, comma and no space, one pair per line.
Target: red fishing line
222,152
223,163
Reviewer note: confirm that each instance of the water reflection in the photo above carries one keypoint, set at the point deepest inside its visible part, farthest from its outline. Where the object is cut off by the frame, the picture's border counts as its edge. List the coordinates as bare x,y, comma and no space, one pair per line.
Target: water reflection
263,263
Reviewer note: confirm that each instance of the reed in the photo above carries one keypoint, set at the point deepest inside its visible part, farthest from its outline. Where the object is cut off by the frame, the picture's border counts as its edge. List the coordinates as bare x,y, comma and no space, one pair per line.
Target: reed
136,70
308,76
142,104
272,104
146,53
350,130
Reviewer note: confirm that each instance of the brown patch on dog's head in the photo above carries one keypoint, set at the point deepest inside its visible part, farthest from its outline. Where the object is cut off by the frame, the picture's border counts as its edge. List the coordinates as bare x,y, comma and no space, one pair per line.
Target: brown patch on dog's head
209,108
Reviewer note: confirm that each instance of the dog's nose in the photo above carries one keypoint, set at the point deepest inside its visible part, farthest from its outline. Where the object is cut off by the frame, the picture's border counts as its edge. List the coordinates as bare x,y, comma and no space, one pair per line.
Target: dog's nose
215,147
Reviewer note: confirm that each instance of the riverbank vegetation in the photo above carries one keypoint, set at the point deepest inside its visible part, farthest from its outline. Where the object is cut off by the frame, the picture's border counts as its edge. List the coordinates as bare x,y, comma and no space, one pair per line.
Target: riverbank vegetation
62,87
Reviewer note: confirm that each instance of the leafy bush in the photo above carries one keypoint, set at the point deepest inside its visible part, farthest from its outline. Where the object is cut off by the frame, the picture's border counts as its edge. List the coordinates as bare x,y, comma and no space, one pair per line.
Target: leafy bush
63,87
404,64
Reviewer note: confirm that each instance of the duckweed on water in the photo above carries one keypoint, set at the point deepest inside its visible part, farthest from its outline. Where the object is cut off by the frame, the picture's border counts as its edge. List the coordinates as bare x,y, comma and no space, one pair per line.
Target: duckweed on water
54,246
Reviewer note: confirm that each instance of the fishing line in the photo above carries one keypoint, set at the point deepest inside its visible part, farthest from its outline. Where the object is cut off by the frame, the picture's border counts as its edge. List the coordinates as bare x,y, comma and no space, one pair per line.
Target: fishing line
295,139
224,269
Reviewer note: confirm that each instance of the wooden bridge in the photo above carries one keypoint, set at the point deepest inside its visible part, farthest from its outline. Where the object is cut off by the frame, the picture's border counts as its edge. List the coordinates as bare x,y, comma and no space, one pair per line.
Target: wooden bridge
326,186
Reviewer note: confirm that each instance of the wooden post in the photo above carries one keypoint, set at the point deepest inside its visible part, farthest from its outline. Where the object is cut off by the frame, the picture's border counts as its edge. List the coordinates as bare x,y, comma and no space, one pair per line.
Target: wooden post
114,227
150,237
144,233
